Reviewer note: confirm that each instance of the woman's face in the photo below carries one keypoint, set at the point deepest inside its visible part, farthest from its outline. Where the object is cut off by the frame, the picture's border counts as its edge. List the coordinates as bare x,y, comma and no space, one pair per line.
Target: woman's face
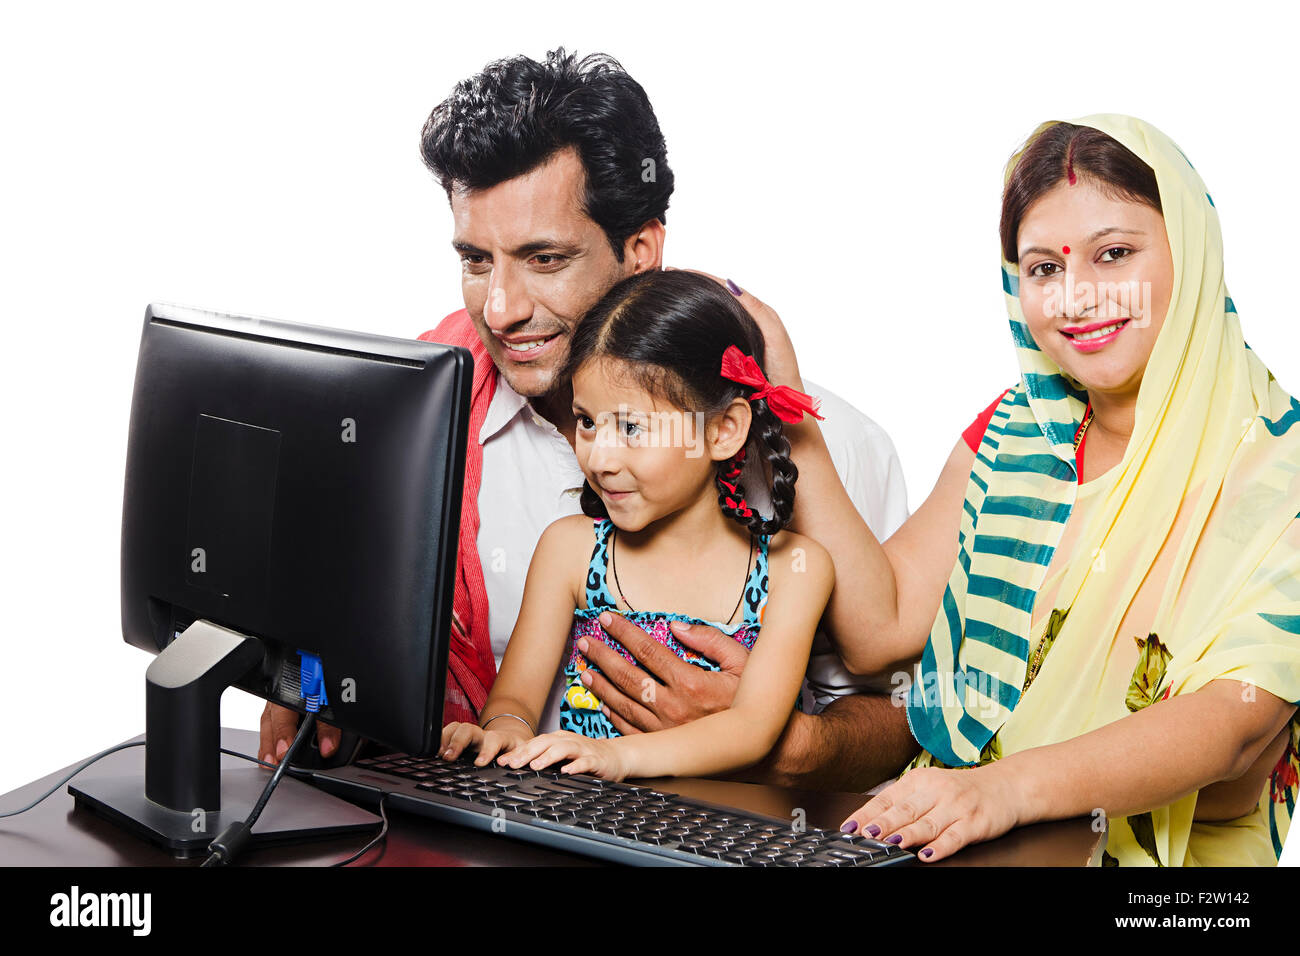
1096,276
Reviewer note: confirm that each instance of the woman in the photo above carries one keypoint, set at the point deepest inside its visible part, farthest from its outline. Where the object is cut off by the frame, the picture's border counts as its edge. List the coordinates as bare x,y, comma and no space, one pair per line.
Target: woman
1116,633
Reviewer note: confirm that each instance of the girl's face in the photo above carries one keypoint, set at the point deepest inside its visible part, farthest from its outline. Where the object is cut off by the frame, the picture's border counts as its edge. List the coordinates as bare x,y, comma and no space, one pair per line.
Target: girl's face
1096,276
644,457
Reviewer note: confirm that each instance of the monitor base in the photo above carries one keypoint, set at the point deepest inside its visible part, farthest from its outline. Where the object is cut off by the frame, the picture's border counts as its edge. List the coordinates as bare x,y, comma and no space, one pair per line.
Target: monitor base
297,812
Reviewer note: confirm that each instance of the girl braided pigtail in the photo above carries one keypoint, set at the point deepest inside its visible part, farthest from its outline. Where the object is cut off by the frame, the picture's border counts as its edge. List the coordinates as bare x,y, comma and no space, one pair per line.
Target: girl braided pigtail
767,436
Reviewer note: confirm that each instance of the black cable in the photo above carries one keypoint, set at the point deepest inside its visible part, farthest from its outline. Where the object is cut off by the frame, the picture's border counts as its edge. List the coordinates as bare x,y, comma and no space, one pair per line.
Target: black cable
280,769
296,771
300,772
383,832
227,846
308,775
72,773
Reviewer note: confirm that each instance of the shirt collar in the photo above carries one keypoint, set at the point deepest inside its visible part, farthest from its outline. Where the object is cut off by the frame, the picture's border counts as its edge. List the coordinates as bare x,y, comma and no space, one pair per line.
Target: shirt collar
506,404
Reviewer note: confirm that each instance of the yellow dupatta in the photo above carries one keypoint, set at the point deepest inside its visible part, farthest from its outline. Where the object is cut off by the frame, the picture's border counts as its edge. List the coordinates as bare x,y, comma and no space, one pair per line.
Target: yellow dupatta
1203,508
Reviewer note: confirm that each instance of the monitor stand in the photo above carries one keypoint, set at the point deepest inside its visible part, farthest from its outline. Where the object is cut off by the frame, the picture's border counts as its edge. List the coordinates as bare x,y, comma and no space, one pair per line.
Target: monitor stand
185,800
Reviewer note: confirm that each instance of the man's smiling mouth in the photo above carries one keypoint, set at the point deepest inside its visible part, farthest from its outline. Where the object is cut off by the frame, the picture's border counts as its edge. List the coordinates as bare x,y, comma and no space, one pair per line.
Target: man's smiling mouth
528,346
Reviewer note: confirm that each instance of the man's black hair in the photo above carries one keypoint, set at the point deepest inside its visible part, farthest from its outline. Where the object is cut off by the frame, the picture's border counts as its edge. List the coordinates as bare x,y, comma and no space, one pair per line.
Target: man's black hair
517,113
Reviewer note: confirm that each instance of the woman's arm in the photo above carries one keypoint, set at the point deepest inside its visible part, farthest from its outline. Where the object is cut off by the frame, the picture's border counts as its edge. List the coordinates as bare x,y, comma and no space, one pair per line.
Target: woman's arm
1140,762
536,645
801,576
886,596
1170,749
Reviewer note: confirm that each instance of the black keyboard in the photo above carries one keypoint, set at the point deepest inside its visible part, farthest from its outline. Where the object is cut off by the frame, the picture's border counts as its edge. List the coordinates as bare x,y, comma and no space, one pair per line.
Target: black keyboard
618,822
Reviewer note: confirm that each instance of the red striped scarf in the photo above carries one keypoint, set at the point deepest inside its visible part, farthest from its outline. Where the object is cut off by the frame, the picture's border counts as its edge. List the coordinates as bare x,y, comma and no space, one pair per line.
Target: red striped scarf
471,667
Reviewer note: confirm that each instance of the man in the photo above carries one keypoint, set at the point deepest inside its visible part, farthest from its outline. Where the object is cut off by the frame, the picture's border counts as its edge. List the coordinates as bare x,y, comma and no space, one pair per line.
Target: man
558,181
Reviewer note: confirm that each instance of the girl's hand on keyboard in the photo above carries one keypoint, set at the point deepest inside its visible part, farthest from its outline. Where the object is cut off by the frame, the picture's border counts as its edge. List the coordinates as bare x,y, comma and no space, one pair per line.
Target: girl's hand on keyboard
456,737
583,755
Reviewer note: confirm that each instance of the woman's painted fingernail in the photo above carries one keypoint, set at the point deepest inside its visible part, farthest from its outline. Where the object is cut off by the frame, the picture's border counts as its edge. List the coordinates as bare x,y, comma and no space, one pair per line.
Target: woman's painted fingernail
849,826
874,830
735,289
927,853
896,839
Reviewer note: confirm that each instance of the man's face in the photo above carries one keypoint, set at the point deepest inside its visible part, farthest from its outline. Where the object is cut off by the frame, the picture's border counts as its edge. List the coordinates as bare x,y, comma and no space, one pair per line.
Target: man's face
532,263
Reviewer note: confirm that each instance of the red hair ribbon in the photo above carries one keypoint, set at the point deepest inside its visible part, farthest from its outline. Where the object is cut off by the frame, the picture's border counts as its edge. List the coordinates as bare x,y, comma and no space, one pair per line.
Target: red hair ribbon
787,404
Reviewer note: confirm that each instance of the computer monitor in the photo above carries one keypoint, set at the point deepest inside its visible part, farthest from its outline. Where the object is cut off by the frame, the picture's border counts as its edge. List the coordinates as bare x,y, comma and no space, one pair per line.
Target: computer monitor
289,489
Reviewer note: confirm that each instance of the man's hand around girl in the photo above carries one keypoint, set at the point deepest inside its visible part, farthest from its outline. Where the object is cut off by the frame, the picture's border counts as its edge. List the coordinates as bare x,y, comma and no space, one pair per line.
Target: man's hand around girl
682,693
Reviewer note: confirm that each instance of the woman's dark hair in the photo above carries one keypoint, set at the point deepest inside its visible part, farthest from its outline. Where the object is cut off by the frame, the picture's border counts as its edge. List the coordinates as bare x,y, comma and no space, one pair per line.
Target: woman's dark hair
1064,151
518,113
669,330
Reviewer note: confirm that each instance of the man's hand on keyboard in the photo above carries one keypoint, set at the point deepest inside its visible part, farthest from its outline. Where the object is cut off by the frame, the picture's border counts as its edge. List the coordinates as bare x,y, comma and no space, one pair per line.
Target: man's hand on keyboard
591,755
280,725
489,743
636,702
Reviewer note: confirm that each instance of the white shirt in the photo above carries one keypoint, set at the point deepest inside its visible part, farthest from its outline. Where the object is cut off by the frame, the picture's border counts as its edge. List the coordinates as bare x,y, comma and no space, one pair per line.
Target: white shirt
531,478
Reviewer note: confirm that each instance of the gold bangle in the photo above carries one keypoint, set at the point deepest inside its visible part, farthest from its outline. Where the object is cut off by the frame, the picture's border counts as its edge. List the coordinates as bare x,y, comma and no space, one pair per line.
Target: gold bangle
516,717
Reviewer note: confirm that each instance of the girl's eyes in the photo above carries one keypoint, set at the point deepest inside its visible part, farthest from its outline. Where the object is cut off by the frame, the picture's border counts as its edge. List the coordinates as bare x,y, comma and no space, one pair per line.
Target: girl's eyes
630,428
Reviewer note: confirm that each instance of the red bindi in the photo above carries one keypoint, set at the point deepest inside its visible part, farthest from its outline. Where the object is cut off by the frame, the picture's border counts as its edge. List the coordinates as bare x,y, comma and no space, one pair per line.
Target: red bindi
1065,249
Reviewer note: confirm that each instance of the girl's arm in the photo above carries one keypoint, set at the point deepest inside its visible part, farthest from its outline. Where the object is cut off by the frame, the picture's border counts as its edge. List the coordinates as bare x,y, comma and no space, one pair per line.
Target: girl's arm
536,645
801,577
1140,762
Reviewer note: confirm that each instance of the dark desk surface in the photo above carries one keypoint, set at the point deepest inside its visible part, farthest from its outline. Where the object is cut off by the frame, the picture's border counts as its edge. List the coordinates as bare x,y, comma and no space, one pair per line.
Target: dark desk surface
55,834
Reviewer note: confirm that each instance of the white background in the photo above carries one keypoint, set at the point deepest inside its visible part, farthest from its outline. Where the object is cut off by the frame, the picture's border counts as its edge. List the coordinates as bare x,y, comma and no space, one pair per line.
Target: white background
842,163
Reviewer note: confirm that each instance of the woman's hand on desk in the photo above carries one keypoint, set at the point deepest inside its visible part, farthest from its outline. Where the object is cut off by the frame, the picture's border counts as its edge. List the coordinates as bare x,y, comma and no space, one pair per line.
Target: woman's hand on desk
938,811
636,702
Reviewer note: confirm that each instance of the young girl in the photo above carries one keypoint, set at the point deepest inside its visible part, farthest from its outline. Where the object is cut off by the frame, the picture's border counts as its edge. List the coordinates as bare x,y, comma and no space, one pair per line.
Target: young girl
670,400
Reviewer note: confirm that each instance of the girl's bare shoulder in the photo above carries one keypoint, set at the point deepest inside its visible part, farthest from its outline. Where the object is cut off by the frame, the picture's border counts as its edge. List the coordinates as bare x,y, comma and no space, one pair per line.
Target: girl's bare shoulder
789,552
570,528
566,546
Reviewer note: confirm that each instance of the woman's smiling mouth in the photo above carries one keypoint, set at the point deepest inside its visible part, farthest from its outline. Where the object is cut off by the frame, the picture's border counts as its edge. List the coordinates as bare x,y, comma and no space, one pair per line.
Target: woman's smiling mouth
1090,338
